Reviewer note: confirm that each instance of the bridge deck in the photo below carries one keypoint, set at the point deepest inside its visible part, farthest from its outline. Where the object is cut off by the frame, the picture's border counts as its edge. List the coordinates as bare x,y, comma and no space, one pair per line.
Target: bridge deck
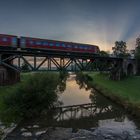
57,54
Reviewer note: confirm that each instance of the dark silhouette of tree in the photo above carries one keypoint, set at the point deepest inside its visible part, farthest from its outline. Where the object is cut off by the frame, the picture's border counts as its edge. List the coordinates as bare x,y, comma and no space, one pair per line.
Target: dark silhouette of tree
104,53
120,49
25,67
102,64
137,54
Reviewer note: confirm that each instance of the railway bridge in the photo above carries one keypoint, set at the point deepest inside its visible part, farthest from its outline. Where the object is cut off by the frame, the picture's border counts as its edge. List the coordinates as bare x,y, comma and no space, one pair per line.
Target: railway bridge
11,63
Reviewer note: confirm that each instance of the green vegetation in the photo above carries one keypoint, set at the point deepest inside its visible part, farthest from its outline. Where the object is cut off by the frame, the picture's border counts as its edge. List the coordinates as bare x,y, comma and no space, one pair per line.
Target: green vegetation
125,92
120,49
35,94
128,89
25,67
137,54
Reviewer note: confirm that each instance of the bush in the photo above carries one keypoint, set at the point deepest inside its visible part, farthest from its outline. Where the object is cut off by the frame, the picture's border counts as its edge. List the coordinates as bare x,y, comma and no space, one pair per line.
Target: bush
31,97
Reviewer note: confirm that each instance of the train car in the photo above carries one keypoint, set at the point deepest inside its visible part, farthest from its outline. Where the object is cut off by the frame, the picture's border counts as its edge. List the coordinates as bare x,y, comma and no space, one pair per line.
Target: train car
28,43
8,41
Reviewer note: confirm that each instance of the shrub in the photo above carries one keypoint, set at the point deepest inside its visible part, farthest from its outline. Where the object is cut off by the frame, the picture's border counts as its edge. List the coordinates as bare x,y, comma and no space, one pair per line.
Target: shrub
31,97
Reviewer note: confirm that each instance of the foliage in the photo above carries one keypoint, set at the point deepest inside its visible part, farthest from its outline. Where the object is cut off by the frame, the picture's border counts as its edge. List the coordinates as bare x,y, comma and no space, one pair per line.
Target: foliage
82,80
63,75
104,53
101,65
31,97
120,49
137,48
25,67
138,41
137,55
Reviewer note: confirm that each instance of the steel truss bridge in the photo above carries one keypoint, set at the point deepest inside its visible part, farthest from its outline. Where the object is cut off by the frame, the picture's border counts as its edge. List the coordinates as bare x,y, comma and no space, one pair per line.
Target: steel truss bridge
55,61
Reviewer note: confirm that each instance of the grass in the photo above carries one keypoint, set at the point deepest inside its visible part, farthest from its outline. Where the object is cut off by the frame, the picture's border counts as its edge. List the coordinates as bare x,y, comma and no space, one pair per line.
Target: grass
127,89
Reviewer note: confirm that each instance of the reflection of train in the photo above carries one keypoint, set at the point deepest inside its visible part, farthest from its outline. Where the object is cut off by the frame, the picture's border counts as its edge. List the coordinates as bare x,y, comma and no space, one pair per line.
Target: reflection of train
26,43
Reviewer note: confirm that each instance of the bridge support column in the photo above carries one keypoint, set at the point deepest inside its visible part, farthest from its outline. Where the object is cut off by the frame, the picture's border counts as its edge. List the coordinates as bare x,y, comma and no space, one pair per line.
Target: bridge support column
129,67
8,75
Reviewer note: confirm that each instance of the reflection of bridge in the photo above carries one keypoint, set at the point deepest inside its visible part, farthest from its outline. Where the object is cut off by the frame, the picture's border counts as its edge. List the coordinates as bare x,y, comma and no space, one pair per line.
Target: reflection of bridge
52,60
76,114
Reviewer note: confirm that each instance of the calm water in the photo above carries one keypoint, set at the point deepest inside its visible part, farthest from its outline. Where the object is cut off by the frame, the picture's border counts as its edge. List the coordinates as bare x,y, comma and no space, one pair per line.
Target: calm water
73,95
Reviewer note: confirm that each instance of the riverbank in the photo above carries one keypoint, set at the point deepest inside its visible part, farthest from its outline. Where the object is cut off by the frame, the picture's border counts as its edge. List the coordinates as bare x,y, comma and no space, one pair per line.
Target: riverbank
125,92
59,133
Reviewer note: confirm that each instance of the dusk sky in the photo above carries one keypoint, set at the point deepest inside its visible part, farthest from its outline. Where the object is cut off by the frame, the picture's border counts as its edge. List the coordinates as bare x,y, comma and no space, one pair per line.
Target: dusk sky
99,22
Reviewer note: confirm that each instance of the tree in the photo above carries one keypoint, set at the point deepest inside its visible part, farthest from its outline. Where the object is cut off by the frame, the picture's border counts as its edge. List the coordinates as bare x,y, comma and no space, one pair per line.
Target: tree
137,54
103,65
120,49
25,67
104,53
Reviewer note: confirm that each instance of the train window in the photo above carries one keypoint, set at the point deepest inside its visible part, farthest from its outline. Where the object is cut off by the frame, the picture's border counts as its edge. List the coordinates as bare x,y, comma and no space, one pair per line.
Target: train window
69,46
4,39
51,44
63,45
76,46
31,42
38,43
14,41
45,43
23,41
57,44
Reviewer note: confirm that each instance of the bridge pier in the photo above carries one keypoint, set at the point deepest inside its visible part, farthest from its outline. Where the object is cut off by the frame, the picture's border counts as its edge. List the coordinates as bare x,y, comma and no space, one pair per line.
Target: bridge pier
123,68
129,67
8,76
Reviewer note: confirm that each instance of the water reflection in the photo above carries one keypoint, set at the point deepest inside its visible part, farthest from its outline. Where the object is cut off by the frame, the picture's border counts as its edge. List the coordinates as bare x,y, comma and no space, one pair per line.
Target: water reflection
101,103
81,103
73,95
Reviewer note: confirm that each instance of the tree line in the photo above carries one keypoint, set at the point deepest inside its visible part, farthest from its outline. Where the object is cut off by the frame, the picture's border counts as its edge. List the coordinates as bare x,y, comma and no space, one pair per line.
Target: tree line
120,50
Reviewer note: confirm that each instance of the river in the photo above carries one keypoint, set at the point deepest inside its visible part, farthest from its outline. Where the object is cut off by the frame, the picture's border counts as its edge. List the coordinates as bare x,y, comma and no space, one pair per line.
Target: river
86,115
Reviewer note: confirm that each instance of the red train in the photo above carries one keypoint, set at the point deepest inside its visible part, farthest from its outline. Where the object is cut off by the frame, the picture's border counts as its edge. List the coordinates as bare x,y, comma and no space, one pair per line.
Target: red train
28,43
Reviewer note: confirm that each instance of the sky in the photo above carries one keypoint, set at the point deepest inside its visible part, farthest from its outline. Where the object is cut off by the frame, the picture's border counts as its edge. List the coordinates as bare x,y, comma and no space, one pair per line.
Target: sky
97,22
